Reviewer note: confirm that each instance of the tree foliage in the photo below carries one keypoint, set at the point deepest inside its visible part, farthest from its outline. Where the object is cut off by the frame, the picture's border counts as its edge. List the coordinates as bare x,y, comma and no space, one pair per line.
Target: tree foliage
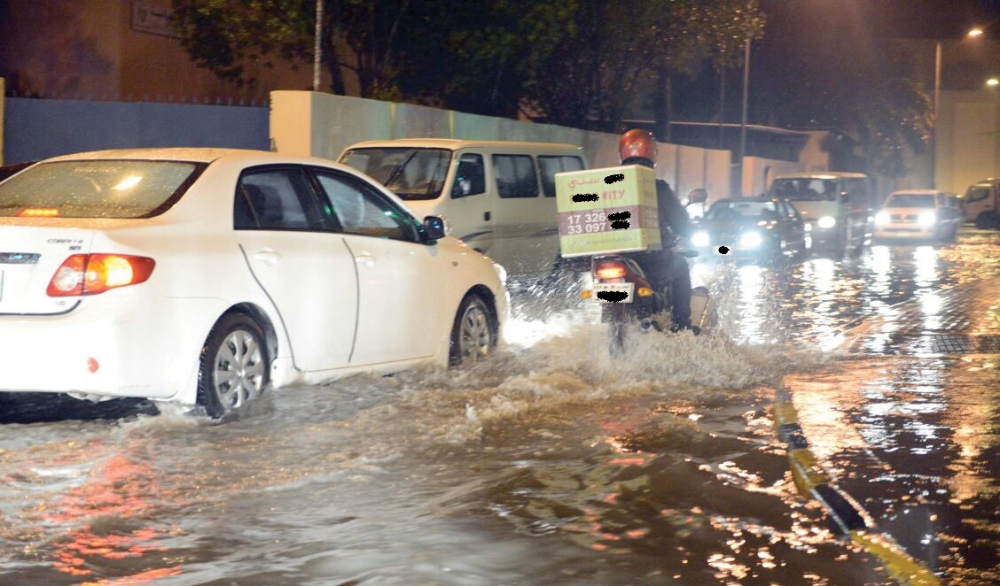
360,36
833,72
577,62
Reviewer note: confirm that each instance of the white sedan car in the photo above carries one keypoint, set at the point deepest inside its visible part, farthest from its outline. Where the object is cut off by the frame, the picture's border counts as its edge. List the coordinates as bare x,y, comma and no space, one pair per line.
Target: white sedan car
204,276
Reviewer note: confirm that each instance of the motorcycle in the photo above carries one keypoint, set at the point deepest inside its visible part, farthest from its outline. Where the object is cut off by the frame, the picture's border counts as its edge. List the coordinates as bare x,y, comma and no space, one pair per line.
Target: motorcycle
628,299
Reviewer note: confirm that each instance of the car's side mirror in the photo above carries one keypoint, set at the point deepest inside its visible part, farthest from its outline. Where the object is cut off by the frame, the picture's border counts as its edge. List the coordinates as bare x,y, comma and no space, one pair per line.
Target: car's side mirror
699,195
435,228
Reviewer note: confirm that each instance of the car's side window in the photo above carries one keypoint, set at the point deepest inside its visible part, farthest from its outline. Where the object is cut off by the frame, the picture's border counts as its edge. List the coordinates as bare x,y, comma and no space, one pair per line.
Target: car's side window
515,175
470,177
276,199
550,165
363,211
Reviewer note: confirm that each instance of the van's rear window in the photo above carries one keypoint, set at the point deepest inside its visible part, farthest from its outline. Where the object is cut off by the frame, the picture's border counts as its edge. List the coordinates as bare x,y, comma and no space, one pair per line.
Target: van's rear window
97,188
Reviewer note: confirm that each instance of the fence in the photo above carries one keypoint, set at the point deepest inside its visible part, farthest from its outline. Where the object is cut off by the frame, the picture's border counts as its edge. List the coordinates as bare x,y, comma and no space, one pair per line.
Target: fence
302,122
322,125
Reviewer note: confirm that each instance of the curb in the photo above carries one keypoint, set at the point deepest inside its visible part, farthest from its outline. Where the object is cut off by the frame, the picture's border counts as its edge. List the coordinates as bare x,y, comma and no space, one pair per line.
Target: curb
847,518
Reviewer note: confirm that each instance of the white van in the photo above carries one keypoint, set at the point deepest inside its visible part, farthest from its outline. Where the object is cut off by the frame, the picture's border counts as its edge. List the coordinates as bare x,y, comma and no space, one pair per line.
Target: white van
498,196
836,206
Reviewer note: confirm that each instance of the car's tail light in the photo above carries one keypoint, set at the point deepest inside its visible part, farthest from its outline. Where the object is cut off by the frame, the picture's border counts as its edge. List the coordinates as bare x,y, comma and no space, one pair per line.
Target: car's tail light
610,270
90,274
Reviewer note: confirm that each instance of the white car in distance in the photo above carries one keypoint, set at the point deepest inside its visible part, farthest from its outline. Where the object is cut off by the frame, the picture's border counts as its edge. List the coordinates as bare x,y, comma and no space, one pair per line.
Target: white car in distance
204,276
923,214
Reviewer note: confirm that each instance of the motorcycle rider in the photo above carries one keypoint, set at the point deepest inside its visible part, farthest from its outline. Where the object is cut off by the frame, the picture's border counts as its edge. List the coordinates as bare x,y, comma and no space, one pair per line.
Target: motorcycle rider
664,267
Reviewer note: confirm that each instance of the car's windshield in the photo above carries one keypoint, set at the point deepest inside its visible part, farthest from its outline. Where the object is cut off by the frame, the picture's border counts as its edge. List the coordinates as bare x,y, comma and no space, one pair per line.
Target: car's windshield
97,188
729,209
910,200
804,189
410,173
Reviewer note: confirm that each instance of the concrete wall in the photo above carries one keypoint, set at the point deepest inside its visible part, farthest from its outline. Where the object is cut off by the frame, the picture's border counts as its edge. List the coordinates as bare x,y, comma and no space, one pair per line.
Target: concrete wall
967,142
36,129
323,125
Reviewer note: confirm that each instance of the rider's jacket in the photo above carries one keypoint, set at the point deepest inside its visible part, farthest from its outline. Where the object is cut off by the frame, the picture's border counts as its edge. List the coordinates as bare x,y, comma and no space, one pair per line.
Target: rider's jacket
675,224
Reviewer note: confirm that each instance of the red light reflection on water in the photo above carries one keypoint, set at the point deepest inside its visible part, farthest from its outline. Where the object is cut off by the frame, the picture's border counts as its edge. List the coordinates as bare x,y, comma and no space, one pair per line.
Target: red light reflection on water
113,506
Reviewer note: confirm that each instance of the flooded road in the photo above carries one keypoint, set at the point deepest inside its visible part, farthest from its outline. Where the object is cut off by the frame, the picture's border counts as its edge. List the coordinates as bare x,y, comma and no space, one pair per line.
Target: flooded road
550,463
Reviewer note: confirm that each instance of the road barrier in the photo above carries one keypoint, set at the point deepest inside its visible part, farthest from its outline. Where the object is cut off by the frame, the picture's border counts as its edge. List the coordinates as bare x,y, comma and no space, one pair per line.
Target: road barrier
847,518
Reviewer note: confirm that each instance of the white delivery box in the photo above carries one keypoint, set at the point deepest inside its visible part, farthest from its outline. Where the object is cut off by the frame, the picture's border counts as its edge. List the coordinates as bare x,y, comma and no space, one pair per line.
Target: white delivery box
603,211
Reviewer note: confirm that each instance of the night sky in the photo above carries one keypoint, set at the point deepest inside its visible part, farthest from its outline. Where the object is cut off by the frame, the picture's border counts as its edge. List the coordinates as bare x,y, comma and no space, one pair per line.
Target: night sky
802,36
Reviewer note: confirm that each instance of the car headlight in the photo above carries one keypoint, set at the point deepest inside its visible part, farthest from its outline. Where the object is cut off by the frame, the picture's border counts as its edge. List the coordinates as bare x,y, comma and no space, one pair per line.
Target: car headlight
750,240
927,219
881,218
700,238
827,222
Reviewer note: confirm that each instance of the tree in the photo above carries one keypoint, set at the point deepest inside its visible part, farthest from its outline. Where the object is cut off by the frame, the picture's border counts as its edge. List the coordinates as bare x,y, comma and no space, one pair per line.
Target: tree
828,70
359,36
580,63
607,57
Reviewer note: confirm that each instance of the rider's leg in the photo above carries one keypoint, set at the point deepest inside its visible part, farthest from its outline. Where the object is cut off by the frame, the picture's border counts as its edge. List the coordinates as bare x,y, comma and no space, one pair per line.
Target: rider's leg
680,312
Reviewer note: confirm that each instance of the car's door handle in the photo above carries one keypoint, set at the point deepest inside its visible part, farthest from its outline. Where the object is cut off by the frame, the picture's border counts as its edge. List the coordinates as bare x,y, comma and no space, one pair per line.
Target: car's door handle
365,259
268,257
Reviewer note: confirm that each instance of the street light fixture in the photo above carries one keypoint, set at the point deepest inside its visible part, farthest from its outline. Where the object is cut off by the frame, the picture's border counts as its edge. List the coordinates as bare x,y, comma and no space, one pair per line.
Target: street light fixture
746,101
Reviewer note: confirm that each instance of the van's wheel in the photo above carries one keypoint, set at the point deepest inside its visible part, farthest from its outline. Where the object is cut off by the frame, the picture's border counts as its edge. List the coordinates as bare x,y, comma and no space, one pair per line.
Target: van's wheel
474,334
234,368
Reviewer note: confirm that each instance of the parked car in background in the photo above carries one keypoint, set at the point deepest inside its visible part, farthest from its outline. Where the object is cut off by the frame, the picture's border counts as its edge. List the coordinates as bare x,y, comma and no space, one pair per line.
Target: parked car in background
981,204
919,214
498,196
759,228
838,208
204,276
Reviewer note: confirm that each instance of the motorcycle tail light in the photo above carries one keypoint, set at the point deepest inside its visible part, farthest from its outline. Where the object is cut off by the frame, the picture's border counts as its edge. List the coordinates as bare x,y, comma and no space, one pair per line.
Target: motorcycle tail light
610,270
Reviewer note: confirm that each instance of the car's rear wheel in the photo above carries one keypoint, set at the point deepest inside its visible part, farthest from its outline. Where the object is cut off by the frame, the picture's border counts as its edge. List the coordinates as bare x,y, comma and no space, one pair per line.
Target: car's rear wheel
234,366
474,334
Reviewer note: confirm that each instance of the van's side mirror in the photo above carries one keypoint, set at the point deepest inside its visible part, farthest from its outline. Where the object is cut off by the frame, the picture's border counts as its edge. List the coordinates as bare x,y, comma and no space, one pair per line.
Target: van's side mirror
435,228
699,195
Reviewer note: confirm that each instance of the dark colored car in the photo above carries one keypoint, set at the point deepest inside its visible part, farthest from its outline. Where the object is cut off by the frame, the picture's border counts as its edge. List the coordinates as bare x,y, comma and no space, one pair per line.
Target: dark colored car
759,228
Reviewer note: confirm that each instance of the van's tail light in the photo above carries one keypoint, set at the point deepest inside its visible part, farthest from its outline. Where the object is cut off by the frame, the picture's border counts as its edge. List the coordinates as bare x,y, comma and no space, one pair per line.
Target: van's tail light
607,271
90,274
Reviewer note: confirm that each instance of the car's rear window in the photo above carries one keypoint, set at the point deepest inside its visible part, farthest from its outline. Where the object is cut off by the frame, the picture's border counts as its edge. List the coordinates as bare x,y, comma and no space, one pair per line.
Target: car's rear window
97,188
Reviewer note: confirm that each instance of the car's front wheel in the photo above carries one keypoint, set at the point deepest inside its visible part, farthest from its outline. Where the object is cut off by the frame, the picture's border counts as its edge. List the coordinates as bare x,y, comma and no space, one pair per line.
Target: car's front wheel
234,366
474,334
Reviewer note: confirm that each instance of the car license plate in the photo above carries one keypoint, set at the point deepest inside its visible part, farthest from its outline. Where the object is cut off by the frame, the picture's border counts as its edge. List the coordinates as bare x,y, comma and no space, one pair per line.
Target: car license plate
613,292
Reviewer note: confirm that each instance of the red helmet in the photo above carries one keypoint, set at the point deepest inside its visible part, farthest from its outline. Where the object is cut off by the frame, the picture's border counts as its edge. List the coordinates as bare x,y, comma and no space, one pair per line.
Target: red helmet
637,143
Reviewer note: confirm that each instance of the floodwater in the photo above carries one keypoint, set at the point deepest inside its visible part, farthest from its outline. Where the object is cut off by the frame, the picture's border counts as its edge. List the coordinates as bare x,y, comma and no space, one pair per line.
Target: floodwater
548,463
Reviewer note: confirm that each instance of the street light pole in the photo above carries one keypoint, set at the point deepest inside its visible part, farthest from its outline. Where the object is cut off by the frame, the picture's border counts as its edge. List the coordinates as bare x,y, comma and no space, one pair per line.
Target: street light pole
973,33
937,100
318,49
746,101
